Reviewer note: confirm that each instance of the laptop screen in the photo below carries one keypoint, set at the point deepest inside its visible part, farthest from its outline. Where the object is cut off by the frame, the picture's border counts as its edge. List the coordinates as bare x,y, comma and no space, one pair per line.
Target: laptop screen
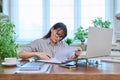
99,42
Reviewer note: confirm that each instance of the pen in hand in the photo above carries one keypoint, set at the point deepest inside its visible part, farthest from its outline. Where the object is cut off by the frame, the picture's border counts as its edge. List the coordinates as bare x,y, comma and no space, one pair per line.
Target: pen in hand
48,56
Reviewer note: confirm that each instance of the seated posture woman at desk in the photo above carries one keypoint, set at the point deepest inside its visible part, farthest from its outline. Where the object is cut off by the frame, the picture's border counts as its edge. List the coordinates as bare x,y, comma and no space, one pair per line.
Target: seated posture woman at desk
46,47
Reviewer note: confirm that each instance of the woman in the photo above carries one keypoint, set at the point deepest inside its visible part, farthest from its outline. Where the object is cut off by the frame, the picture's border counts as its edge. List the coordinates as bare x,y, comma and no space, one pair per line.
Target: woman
46,47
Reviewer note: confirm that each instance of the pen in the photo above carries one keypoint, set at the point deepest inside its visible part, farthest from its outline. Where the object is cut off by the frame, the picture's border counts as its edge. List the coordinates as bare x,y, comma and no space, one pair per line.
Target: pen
48,56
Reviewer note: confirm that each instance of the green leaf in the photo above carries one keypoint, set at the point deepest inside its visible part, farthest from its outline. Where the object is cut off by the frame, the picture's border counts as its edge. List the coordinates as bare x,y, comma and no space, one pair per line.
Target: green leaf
68,41
98,22
81,34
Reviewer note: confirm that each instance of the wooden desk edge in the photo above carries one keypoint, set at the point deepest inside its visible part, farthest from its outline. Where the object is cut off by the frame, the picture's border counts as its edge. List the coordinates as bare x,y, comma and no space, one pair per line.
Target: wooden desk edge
59,76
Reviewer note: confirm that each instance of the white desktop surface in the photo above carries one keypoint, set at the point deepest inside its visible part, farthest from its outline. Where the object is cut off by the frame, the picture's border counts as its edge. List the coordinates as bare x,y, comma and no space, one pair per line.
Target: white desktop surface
113,53
114,57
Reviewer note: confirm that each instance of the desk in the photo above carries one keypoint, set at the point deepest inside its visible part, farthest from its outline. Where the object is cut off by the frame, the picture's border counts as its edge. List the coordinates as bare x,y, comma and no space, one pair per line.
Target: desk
104,71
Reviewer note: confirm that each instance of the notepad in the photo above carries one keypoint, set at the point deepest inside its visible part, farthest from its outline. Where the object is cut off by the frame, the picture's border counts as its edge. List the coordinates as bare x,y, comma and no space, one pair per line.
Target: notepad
31,66
34,67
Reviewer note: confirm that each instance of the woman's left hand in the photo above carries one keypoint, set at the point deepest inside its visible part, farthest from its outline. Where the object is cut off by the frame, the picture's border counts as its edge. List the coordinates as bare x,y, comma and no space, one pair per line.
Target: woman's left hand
78,52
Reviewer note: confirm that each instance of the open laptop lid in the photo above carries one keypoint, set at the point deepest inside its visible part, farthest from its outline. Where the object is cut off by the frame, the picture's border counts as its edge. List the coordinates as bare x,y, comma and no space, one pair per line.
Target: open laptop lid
99,42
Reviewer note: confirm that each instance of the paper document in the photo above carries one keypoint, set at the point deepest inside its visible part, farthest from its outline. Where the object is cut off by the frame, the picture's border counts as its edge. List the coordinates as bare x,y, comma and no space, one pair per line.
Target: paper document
53,60
62,55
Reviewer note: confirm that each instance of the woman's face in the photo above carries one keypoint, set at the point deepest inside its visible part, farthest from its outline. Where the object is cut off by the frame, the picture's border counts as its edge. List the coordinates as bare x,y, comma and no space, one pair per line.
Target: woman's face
56,35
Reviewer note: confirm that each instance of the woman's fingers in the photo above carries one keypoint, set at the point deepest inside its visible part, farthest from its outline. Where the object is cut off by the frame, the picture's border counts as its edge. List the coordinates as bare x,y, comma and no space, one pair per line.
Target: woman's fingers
43,56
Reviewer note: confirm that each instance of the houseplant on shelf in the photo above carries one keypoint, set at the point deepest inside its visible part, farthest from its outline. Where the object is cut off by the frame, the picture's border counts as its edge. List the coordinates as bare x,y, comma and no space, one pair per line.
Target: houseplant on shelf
80,35
98,22
68,41
8,47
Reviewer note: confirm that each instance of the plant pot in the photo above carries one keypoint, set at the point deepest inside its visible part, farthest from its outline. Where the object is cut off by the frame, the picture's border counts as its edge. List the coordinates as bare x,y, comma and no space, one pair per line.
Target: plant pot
83,46
1,67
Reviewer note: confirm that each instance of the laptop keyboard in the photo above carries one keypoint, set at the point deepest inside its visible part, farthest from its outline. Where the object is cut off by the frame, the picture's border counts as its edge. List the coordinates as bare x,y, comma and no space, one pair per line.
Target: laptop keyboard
31,66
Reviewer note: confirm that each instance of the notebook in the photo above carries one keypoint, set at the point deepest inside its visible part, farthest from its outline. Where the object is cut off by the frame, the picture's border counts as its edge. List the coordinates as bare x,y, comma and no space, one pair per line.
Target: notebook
31,66
34,67
99,42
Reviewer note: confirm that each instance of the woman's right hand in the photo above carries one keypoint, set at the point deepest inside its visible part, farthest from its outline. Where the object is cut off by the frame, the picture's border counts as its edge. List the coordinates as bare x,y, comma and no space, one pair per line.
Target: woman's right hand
43,55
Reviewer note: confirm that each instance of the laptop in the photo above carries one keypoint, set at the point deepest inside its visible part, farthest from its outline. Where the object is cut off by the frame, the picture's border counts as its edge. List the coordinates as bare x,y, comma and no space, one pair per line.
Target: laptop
99,42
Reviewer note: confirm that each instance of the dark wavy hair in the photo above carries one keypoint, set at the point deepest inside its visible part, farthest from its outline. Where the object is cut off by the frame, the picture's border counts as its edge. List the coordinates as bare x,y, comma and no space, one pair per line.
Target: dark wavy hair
58,25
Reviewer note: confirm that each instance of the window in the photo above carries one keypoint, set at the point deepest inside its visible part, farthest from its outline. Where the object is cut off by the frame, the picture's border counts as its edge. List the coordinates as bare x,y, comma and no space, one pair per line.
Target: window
37,16
90,10
63,11
30,19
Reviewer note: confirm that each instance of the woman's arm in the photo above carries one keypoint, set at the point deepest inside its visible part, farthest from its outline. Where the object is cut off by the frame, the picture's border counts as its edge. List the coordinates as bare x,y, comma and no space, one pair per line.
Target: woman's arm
76,54
25,55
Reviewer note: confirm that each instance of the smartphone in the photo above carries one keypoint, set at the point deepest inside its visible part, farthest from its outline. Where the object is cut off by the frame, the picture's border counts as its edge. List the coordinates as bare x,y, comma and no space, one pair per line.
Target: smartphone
68,65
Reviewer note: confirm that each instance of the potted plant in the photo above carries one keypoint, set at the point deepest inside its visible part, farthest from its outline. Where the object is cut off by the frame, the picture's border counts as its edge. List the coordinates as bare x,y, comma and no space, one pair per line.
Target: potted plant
98,22
81,34
68,41
8,47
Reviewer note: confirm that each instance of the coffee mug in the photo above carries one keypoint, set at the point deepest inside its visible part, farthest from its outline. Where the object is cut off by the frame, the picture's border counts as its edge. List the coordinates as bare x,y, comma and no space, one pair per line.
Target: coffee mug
10,60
